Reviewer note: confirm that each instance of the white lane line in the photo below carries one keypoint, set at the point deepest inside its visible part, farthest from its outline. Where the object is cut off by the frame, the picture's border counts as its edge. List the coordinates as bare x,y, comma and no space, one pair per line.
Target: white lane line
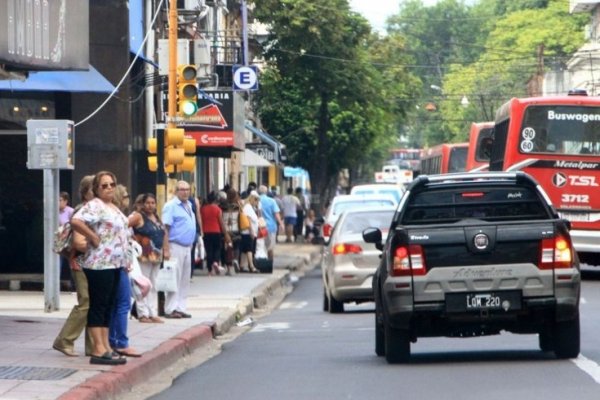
293,305
588,366
582,300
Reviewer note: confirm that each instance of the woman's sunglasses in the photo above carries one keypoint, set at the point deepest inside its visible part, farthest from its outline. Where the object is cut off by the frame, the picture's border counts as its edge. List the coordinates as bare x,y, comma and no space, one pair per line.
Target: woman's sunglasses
107,185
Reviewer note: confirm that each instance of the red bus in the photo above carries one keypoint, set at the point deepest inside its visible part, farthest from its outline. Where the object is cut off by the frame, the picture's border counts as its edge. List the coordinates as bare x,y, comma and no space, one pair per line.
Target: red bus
407,159
480,146
557,141
444,158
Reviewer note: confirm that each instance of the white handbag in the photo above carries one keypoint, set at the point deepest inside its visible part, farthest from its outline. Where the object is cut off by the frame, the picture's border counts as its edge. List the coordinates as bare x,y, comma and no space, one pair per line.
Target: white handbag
166,279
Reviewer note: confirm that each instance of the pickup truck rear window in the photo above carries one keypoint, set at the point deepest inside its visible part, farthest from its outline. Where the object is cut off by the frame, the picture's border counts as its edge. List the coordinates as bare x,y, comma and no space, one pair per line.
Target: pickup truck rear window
488,204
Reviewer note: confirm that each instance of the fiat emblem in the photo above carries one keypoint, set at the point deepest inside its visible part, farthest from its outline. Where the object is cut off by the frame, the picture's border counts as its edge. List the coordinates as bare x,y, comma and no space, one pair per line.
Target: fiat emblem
481,241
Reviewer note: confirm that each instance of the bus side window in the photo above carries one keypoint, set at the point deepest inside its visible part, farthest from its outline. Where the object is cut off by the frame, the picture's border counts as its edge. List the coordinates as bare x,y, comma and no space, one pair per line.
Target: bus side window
585,150
551,147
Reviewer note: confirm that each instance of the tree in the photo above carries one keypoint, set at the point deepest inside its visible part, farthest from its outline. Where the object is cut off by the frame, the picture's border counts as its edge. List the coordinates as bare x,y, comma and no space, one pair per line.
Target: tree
321,94
510,60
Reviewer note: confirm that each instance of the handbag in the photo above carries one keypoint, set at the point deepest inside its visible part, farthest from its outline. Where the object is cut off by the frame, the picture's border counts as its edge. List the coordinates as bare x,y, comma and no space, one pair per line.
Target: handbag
166,279
262,232
140,284
244,221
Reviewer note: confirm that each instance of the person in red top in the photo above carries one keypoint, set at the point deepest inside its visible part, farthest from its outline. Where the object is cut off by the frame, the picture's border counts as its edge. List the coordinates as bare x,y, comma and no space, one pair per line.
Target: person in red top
213,230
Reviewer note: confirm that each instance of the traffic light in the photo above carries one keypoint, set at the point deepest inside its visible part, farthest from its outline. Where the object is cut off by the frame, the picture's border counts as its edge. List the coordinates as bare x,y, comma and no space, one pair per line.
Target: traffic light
176,146
187,90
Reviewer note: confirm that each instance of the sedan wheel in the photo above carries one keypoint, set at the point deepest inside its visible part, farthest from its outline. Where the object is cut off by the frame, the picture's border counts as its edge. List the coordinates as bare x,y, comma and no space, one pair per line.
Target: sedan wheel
325,300
335,307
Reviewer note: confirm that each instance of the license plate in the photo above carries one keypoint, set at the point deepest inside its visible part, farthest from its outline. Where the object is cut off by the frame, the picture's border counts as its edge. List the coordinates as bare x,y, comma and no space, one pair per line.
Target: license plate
465,302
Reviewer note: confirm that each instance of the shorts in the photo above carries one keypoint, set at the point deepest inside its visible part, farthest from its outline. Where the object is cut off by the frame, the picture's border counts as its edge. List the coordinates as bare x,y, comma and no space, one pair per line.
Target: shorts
289,220
270,240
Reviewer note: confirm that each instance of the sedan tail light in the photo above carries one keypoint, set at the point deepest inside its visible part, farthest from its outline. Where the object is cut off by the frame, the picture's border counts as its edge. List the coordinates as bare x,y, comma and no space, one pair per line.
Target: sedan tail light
556,253
346,248
408,261
327,230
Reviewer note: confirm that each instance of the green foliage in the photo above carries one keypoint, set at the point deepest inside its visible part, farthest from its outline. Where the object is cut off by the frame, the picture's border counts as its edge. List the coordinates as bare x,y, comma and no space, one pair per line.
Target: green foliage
510,61
331,87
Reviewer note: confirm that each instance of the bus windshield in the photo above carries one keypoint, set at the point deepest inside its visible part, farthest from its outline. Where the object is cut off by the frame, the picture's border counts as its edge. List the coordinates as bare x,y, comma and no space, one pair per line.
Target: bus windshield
569,130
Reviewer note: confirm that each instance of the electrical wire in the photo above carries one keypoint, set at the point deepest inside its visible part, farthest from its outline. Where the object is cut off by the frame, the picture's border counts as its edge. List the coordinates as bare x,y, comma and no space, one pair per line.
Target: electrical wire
126,74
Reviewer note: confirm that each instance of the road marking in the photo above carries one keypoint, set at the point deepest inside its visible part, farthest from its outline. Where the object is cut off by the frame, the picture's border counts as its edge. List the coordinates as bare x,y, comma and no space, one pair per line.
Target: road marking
582,300
291,304
275,326
588,366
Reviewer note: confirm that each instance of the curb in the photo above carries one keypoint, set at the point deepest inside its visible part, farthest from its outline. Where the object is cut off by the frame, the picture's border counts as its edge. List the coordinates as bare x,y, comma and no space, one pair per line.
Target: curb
109,384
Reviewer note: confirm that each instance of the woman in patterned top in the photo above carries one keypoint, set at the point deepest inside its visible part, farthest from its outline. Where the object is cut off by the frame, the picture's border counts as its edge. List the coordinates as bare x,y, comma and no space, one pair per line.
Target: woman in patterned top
106,230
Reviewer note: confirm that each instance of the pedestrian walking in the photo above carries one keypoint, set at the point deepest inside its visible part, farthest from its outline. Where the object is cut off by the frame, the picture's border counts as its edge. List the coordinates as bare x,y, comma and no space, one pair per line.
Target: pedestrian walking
231,219
76,322
272,215
65,212
150,233
290,213
249,231
180,224
214,233
106,230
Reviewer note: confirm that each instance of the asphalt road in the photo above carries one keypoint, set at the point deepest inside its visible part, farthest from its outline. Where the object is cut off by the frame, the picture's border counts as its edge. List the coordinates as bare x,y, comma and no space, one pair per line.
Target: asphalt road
301,352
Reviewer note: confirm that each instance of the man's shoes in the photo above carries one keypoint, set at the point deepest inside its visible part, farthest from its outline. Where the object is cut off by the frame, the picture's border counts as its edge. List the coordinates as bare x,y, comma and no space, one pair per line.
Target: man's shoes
182,314
107,359
65,351
173,315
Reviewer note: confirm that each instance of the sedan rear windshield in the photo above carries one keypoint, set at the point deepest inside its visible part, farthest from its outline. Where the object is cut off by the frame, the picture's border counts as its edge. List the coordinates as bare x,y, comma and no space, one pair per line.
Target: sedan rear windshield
489,204
358,222
347,205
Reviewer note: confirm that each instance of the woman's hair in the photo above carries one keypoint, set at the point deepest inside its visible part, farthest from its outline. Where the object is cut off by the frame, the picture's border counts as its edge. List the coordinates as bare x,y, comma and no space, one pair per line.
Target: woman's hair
120,191
86,183
139,204
98,176
211,198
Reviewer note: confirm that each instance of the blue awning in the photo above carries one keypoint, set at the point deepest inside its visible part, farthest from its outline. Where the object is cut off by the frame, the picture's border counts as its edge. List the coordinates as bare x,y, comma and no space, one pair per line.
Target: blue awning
61,81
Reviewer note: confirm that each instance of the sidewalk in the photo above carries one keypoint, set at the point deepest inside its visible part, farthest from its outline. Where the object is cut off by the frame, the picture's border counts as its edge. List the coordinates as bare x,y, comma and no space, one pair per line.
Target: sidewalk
31,369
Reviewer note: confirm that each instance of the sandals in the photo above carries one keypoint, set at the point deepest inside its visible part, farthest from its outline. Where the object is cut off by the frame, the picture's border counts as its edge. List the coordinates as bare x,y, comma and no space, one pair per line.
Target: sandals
128,352
107,359
146,320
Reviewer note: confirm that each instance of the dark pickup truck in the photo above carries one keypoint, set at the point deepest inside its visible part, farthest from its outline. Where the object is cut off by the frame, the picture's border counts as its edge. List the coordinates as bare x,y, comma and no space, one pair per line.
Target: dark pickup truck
471,255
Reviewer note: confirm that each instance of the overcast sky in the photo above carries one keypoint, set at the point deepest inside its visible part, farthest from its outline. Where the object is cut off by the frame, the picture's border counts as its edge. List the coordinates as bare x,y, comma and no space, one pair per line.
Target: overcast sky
376,11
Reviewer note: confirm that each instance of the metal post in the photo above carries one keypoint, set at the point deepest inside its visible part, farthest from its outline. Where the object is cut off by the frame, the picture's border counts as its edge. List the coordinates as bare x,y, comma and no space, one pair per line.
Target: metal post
51,260
245,31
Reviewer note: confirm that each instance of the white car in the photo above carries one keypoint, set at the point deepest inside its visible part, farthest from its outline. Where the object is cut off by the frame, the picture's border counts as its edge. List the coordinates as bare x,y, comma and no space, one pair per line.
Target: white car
380,188
349,263
343,202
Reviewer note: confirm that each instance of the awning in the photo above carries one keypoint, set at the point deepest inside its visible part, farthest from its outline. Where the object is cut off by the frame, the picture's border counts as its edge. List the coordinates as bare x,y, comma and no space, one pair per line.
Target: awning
251,159
280,155
61,81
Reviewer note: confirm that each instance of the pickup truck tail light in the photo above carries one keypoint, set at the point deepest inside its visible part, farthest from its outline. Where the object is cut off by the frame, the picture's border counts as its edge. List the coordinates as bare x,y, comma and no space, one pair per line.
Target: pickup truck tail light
408,261
346,248
327,230
556,253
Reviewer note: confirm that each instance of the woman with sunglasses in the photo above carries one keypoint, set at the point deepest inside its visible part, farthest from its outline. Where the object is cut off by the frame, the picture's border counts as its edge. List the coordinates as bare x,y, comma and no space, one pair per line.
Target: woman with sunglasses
106,229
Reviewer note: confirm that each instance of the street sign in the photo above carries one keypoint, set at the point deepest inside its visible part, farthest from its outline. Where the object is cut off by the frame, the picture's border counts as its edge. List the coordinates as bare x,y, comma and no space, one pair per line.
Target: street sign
245,77
50,144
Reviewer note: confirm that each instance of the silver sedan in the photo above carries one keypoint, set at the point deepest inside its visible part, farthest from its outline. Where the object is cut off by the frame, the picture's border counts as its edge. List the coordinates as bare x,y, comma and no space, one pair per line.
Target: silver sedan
348,263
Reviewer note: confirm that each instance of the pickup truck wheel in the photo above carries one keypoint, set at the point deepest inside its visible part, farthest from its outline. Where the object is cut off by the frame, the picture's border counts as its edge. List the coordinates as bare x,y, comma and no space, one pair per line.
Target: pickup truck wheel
325,300
397,345
567,338
545,340
379,333
335,307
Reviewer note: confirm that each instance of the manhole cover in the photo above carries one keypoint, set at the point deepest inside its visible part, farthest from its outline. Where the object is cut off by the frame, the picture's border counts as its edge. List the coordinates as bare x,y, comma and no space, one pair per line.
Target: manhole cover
35,373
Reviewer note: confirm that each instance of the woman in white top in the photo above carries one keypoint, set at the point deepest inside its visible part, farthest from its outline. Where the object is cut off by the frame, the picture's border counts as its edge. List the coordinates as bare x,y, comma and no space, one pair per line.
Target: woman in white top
248,232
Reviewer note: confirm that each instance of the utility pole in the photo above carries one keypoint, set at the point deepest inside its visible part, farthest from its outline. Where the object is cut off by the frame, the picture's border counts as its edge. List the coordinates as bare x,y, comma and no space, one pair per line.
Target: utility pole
161,179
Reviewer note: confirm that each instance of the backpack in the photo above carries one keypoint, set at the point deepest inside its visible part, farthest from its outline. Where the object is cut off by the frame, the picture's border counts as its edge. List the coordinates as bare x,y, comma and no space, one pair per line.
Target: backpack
63,240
